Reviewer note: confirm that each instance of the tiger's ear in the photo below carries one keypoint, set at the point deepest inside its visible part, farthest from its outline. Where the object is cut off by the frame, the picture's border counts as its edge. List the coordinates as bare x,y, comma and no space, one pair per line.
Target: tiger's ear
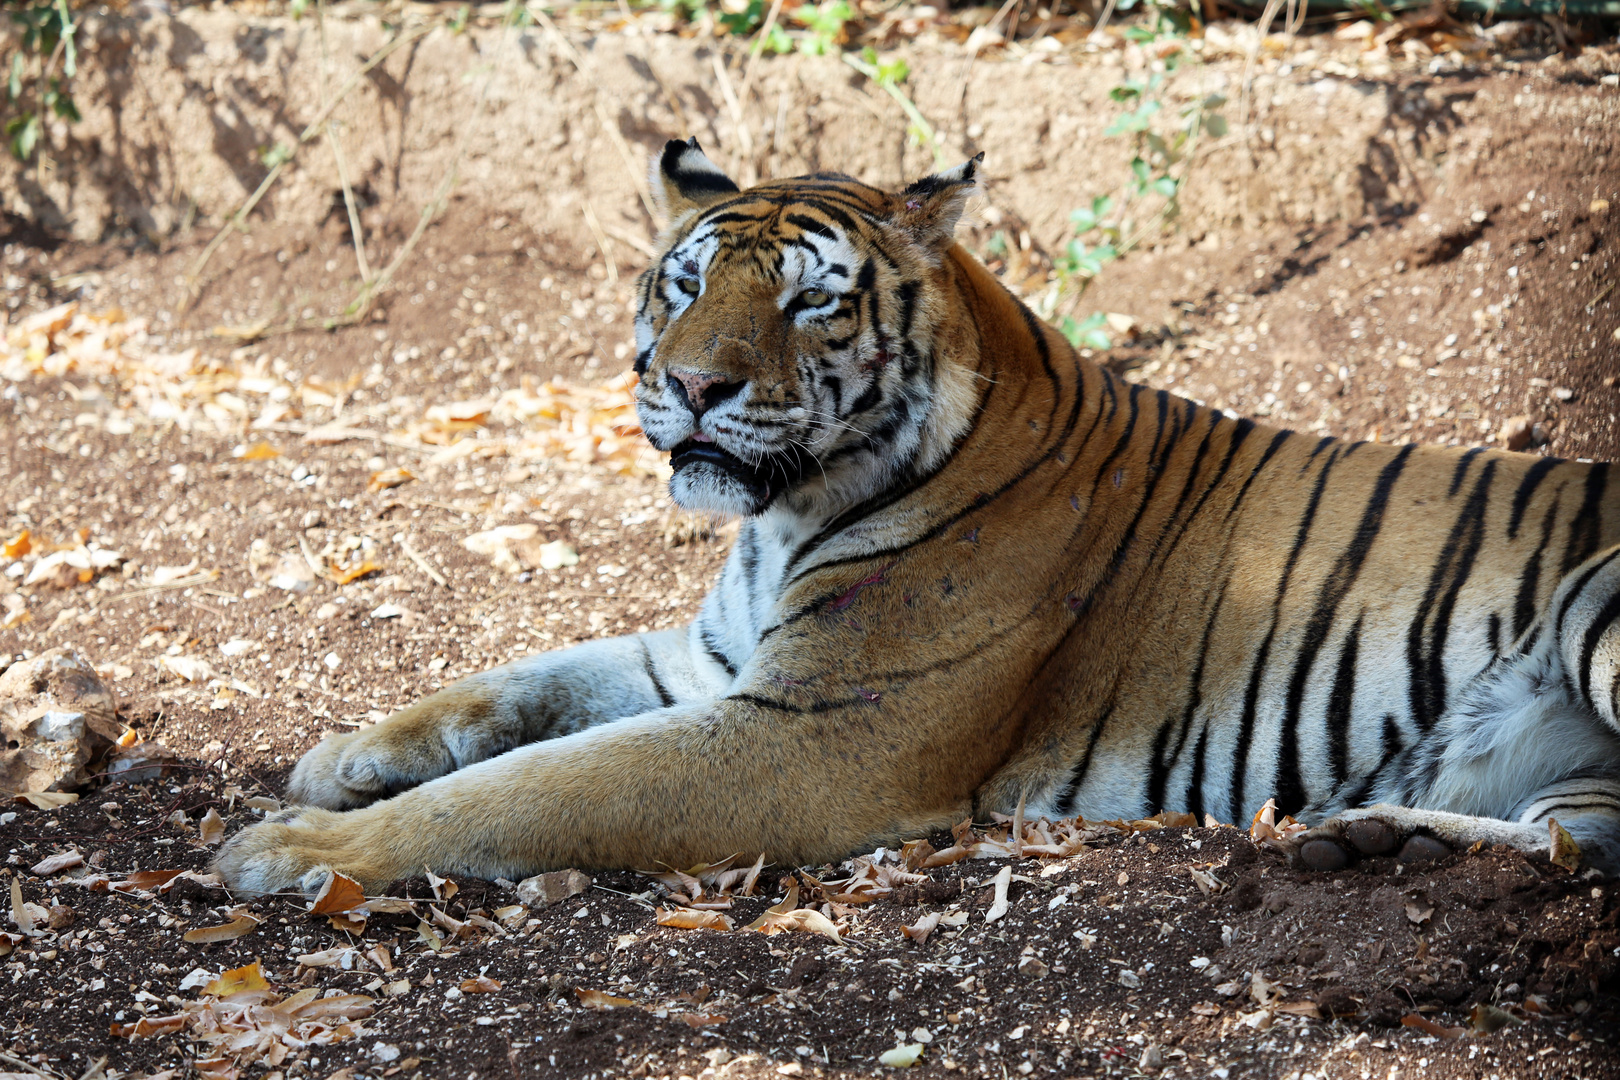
929,208
684,179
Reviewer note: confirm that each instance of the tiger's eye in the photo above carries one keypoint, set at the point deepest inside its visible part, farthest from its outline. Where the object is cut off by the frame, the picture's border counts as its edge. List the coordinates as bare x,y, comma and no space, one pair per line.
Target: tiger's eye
813,298
688,285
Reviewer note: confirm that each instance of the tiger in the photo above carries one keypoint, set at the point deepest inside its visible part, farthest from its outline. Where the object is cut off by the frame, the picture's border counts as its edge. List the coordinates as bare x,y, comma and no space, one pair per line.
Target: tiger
974,571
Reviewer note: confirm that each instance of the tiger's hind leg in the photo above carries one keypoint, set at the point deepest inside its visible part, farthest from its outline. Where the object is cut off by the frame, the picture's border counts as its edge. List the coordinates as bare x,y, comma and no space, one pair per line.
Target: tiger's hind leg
1535,737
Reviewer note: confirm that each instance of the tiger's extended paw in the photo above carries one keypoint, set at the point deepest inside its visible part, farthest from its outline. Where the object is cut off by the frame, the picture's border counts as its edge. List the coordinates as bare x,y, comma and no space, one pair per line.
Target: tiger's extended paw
293,851
407,749
1410,835
347,771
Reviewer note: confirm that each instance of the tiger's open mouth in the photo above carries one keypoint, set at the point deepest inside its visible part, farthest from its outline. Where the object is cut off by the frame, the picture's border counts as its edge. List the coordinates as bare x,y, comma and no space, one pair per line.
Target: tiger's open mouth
764,481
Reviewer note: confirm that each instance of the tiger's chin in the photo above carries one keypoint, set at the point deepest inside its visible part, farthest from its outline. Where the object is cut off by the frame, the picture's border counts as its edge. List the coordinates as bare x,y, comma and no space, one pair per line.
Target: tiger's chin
708,479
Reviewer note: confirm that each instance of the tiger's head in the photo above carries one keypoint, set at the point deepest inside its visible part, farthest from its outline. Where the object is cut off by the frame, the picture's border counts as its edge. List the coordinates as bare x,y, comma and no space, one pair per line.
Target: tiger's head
793,340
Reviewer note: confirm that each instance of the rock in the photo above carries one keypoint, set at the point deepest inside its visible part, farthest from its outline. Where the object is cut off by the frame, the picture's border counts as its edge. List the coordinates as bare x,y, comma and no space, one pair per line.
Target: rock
57,715
543,890
140,763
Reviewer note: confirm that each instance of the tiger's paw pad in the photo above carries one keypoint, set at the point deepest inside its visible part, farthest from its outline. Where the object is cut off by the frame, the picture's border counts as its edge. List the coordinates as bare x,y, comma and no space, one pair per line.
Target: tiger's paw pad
1342,841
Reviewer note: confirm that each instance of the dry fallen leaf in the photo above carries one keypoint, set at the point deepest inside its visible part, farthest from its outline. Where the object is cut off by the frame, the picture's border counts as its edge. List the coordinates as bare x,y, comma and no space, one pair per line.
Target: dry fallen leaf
703,1020
901,1057
45,800
1562,849
1033,967
237,927
483,984
342,575
333,957
1429,1027
350,922
148,1027
688,919
337,894
597,999
21,917
238,980
56,863
145,881
1266,829
389,478
1418,915
924,926
443,888
259,451
211,829
19,545
998,904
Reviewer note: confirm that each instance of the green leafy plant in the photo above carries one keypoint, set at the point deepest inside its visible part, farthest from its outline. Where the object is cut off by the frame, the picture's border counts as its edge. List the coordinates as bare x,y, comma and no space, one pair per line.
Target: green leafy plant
825,25
39,72
750,20
1162,140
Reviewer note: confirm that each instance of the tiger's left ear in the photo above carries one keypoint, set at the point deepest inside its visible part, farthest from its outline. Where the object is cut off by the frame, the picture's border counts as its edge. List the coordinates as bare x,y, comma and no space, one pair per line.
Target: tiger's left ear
929,208
684,179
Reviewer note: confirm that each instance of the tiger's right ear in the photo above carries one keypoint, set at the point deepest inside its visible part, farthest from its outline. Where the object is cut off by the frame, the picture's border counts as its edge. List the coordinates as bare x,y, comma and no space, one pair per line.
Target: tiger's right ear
684,179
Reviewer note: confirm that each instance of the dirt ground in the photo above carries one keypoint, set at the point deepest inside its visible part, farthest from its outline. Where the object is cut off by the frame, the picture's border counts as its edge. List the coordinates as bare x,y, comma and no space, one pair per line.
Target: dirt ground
1477,306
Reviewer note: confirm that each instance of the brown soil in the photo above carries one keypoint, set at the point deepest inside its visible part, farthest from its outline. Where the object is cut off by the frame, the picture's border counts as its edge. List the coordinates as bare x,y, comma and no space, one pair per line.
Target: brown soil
1328,306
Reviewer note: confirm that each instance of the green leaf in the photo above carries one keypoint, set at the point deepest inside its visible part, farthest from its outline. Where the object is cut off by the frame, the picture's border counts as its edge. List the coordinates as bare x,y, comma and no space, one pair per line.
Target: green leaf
1165,186
24,131
1087,333
1101,205
1216,126
1137,33
14,85
279,154
1139,169
1084,220
64,107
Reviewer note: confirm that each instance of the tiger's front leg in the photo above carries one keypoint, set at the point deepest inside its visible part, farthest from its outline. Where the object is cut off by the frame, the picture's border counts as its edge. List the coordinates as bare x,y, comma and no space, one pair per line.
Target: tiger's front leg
684,784
485,715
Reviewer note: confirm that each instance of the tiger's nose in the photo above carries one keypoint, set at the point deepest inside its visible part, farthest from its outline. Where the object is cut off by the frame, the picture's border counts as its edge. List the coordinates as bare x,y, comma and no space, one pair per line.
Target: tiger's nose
702,390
